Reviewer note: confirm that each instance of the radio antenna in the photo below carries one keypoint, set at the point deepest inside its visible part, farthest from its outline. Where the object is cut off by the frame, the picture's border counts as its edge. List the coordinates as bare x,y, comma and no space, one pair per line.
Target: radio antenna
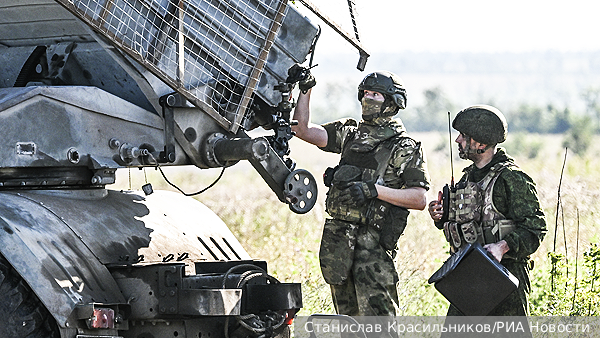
446,190
451,157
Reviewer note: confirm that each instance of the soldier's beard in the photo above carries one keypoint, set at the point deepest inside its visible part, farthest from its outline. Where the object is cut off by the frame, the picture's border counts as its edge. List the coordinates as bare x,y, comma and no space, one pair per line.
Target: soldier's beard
466,153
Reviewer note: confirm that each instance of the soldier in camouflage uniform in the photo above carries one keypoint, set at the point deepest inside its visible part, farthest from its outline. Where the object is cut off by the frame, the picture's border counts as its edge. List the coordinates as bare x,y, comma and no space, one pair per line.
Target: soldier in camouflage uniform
495,203
382,173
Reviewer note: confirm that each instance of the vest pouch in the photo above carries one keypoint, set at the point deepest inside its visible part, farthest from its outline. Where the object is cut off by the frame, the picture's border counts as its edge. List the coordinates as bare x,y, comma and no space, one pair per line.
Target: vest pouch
446,230
451,231
504,226
346,174
328,176
336,253
393,226
342,211
467,204
470,232
345,212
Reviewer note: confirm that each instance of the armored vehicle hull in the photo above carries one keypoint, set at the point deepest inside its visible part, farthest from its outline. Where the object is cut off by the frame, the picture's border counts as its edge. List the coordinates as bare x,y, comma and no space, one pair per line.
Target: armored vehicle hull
121,264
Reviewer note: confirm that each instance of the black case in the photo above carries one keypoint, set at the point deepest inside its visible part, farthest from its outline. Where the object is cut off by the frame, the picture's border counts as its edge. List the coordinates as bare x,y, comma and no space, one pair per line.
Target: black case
473,281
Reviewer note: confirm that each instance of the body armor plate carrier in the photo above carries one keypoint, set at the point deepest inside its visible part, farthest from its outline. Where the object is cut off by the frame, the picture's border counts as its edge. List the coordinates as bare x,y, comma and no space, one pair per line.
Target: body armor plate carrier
472,214
369,166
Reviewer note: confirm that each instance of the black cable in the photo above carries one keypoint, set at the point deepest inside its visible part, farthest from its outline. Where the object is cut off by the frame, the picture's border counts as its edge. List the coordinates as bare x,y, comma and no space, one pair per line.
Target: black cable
235,267
194,193
145,152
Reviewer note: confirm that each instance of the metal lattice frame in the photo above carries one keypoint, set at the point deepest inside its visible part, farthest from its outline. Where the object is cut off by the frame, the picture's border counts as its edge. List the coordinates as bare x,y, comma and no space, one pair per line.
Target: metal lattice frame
211,51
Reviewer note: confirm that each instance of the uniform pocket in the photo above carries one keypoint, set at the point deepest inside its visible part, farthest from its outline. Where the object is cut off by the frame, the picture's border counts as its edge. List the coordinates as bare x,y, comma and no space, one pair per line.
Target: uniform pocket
336,253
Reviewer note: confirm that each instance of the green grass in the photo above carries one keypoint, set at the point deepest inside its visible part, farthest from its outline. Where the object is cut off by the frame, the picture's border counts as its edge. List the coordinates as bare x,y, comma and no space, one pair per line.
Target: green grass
289,243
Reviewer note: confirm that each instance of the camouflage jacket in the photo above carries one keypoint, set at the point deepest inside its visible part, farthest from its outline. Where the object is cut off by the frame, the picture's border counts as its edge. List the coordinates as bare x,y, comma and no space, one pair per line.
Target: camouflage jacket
359,144
515,196
397,175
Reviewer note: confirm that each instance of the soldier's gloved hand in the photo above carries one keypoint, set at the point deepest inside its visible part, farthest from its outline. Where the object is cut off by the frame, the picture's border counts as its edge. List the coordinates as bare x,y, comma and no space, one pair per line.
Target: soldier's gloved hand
307,83
356,193
302,75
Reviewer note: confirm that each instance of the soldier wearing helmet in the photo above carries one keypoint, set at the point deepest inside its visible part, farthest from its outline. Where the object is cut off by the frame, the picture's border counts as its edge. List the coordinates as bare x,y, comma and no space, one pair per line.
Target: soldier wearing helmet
381,175
392,89
495,203
484,124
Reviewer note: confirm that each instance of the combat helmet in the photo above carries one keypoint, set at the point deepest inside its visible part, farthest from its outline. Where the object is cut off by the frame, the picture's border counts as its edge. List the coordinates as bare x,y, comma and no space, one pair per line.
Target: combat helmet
484,124
388,84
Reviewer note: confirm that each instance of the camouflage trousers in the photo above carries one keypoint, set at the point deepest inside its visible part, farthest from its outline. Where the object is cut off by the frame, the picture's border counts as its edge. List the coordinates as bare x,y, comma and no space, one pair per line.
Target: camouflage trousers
370,289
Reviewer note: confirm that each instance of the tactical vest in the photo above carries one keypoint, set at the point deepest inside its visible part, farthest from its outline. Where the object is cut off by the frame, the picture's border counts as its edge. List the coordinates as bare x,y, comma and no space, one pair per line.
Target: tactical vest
473,217
361,166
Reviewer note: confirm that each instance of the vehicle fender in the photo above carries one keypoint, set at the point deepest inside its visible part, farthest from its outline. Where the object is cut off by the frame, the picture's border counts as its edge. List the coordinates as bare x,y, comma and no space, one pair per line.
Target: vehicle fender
63,242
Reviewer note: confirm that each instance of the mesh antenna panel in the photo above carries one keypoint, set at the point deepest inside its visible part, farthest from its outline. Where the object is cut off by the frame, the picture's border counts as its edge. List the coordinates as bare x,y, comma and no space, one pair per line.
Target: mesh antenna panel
211,51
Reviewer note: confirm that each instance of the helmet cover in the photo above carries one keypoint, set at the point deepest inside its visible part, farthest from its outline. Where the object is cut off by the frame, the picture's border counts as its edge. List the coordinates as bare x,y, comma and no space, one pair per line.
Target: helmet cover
484,124
388,84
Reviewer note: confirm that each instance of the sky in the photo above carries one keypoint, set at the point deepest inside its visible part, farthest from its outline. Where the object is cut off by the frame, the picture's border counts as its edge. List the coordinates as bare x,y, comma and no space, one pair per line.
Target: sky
463,25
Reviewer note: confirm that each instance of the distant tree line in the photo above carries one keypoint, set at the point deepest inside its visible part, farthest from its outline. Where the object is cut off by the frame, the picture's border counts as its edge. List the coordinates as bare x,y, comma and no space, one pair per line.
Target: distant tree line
577,127
529,118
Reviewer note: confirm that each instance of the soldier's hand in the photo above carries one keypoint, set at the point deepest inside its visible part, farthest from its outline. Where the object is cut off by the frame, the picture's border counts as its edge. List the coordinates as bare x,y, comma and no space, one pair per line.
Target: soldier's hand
356,193
307,83
436,209
303,76
497,249
295,73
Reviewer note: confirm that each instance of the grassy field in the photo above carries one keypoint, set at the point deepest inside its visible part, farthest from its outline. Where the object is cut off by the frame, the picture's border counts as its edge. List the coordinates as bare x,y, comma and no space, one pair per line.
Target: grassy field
290,242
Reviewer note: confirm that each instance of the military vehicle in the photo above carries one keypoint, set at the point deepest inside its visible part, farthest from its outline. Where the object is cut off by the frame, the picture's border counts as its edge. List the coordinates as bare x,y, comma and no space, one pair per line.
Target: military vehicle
91,86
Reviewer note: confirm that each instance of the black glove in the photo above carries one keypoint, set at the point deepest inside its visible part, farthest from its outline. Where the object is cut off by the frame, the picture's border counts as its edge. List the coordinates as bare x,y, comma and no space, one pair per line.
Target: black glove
302,75
307,83
356,193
